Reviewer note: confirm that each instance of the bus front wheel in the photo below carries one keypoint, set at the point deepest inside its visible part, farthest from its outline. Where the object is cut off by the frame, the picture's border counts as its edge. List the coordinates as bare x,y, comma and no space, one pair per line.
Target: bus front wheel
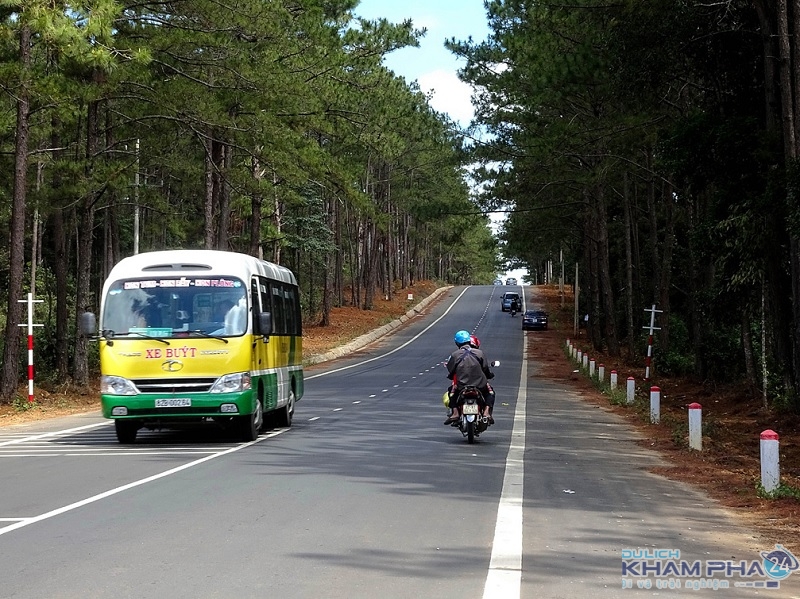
250,425
284,415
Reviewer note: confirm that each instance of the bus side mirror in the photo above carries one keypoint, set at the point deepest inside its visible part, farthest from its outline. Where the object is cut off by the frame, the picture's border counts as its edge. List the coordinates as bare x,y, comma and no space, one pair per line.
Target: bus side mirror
87,324
265,323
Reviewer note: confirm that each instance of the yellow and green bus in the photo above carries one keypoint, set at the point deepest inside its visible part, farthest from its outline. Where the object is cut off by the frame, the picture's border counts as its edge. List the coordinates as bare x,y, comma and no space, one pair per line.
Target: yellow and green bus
191,336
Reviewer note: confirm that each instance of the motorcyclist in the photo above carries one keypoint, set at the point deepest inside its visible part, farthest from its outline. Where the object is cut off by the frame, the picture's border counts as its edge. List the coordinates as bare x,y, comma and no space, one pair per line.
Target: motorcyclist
450,394
468,366
514,306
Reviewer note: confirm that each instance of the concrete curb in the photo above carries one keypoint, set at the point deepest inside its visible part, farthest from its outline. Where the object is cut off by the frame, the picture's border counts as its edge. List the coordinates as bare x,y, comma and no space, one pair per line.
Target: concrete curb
368,338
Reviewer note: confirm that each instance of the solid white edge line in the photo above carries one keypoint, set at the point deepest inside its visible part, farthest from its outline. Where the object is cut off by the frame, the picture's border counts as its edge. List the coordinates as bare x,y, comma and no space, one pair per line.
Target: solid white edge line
137,483
504,579
53,434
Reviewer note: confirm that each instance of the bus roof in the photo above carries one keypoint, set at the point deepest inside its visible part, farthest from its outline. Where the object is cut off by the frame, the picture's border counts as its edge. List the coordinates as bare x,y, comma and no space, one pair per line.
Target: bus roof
198,262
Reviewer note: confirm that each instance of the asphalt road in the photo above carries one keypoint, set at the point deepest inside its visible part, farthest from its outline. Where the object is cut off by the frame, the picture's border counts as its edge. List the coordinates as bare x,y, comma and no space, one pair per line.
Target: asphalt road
367,495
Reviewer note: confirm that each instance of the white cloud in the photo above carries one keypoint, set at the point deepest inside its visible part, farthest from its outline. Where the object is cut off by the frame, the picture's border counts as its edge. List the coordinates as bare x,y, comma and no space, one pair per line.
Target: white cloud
450,94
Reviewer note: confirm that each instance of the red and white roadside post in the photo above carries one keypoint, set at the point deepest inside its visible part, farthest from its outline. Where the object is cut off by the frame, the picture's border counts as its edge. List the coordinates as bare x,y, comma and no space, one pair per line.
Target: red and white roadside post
601,373
652,328
655,405
613,379
585,360
696,426
30,324
591,367
631,390
580,356
770,467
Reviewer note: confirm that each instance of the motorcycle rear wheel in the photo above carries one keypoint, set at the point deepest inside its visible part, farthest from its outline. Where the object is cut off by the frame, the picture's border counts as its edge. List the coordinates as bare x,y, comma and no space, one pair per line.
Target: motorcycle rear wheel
471,432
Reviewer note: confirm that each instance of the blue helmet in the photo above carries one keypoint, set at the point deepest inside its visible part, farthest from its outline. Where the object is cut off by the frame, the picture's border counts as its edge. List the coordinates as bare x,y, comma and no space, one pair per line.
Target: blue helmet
461,338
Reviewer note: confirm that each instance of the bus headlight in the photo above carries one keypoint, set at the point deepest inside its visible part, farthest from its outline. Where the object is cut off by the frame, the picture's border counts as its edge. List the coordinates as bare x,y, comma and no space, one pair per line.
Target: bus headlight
117,385
231,383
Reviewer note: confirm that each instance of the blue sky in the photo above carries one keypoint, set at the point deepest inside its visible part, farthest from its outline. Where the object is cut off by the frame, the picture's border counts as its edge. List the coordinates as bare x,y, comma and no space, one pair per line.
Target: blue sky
432,65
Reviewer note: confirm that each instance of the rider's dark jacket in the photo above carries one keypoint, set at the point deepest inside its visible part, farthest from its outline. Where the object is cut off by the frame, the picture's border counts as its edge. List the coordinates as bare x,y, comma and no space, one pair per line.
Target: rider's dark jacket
469,367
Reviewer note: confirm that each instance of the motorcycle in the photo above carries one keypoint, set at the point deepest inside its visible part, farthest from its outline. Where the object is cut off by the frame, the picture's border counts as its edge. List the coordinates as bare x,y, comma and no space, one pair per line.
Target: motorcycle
472,423
513,311
471,420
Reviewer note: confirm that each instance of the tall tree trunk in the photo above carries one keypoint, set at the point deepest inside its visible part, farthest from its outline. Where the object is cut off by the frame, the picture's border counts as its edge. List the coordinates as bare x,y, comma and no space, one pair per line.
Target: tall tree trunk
256,201
666,267
80,370
787,69
371,257
208,201
224,195
9,379
60,269
629,268
604,266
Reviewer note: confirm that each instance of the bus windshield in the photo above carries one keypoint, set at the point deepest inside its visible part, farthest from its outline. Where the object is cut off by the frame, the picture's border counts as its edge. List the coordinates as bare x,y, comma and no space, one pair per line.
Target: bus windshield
175,306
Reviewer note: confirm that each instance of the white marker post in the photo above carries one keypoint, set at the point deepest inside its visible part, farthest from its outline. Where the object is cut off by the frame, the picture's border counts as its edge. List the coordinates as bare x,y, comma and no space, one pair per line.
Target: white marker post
770,467
585,360
30,301
655,405
696,426
631,390
591,367
613,379
601,373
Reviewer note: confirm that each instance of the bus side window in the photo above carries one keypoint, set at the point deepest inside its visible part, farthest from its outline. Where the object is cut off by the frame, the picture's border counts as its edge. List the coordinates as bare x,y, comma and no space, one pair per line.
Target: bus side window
278,309
292,304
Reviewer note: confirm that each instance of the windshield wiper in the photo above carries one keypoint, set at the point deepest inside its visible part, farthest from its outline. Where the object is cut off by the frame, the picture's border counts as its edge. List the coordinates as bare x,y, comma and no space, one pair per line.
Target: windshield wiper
200,333
109,334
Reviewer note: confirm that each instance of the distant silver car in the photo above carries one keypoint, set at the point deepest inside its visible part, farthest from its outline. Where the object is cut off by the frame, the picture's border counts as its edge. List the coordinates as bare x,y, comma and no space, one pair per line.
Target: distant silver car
498,281
511,281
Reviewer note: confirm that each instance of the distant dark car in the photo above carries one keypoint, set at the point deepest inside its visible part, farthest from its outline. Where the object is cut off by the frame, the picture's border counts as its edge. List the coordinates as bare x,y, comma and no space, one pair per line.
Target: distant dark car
511,281
505,304
534,320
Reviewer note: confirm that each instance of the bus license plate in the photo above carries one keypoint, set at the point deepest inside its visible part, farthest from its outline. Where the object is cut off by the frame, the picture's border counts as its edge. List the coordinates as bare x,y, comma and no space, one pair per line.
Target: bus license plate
470,408
174,402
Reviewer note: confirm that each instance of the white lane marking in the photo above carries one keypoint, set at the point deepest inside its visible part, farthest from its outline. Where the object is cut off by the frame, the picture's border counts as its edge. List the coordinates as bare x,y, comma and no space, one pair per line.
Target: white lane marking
53,434
98,452
357,402
338,409
131,485
398,348
314,418
504,579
